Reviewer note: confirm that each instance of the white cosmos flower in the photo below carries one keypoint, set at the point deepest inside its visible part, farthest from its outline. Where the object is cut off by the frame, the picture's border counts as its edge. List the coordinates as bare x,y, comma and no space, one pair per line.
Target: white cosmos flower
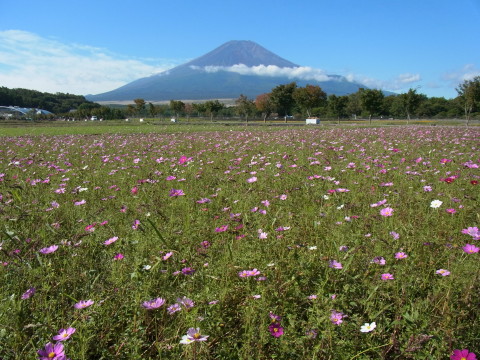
436,204
185,340
368,327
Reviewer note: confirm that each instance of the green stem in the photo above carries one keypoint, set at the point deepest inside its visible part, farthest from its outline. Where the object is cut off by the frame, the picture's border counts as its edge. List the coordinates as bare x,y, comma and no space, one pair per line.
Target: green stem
364,351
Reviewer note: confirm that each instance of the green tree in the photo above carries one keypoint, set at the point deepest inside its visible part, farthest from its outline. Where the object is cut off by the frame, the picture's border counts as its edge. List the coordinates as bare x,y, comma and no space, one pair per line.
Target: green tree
354,105
139,106
245,106
177,107
337,106
212,107
309,97
282,98
469,91
152,110
264,104
410,102
372,101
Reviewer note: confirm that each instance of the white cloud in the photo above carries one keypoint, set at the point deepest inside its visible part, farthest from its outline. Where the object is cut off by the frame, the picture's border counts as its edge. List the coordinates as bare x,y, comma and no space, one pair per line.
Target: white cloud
400,82
458,76
33,62
300,72
309,73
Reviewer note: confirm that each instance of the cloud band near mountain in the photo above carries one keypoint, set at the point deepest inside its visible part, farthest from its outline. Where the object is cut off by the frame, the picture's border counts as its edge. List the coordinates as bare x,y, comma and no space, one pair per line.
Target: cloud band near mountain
300,72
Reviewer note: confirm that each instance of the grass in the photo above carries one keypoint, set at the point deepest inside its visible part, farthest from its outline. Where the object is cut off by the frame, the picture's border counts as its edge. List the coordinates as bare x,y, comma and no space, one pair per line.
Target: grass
284,201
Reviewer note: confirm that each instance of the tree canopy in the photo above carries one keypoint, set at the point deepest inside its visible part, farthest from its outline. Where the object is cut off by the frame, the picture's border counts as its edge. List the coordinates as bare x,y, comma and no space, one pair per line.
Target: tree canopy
469,91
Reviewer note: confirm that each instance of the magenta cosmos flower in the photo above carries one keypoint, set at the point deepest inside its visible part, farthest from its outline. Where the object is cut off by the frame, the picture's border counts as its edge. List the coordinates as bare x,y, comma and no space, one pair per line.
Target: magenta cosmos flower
153,304
222,228
470,249
276,330
64,334
463,355
52,352
28,294
82,304
176,192
388,211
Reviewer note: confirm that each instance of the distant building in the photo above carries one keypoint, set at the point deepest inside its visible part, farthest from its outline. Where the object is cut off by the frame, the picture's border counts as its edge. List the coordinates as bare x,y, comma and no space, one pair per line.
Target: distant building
16,112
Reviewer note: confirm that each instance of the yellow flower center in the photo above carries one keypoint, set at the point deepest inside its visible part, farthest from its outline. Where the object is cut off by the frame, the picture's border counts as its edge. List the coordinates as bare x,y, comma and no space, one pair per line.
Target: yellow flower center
51,355
197,336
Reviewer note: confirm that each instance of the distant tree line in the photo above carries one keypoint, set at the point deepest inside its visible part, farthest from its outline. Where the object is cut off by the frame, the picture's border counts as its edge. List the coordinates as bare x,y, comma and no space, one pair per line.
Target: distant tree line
284,101
311,101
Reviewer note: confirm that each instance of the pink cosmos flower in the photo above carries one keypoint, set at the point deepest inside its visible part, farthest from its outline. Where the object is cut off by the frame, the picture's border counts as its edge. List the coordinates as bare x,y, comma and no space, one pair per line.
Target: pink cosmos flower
119,256
470,249
336,317
28,294
110,241
52,352
248,273
81,202
379,260
275,329
262,234
451,211
388,211
136,224
48,250
203,201
387,276
222,228
64,334
400,255
167,255
252,179
335,264
473,232
463,355
394,235
193,334
153,304
172,309
82,304
442,272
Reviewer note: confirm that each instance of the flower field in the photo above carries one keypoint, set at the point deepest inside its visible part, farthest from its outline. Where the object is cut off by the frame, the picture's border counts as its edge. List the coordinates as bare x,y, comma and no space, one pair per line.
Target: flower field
298,243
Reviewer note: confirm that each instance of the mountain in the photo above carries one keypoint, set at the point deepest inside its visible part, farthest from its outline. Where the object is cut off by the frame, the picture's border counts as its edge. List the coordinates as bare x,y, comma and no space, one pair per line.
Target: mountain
234,68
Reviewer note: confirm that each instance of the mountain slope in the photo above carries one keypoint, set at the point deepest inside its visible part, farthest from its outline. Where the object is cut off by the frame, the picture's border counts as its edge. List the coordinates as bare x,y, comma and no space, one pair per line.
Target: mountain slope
211,76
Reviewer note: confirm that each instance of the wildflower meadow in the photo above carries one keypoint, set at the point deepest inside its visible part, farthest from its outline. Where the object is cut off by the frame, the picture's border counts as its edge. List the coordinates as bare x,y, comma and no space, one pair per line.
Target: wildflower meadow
241,243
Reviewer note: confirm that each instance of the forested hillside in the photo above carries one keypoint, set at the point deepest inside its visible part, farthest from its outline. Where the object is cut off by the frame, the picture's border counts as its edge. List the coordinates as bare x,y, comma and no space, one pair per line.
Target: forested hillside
56,103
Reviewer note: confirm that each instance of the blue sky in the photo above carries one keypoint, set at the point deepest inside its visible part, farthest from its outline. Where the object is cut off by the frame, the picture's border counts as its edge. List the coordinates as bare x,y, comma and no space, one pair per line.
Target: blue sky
89,47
